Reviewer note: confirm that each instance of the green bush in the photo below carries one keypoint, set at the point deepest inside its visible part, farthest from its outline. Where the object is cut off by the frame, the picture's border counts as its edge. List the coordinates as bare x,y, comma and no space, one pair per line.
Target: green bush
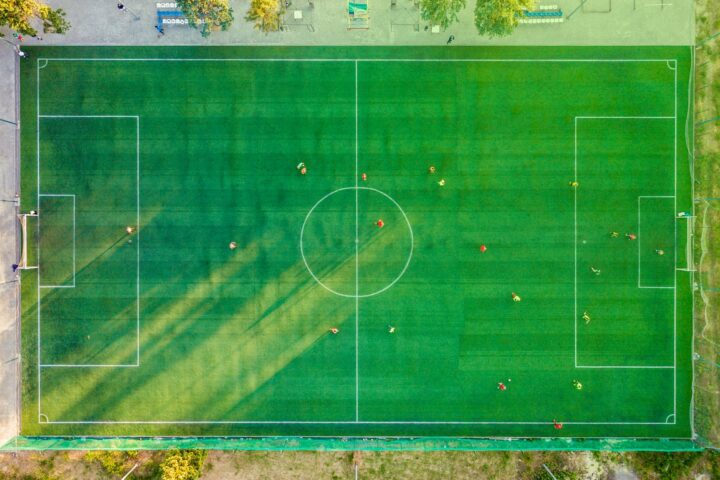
18,14
560,473
498,18
54,21
441,12
112,463
208,15
668,466
183,465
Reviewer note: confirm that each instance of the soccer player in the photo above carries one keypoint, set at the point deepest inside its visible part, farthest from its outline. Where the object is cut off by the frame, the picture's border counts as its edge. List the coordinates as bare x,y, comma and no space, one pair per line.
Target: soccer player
516,297
574,184
233,245
301,168
391,329
364,177
631,236
483,248
380,223
660,252
502,387
557,425
577,385
614,234
441,182
334,330
586,317
594,270
130,230
431,169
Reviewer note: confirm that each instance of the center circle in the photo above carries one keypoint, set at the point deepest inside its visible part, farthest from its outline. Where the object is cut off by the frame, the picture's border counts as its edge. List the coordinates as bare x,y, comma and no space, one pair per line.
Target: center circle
344,248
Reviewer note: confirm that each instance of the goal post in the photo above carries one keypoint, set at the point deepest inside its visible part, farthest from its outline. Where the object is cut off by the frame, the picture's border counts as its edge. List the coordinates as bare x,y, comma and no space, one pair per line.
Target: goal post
687,220
23,261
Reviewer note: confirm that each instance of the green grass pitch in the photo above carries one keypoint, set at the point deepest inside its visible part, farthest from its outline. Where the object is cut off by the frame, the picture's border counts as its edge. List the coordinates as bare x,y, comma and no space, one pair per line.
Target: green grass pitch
168,331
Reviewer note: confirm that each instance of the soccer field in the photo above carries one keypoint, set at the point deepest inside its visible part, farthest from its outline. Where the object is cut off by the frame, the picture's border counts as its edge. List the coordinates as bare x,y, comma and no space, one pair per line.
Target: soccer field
168,331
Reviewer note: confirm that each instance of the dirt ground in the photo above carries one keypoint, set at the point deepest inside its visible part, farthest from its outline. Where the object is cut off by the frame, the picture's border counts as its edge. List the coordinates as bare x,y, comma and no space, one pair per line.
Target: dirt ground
220,465
707,225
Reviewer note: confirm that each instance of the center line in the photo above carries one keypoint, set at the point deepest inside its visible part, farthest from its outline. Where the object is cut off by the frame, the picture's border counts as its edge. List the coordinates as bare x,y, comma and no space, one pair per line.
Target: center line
357,258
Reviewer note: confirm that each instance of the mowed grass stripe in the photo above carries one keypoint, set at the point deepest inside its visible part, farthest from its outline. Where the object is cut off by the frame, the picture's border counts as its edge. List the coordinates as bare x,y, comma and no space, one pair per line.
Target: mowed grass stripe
242,335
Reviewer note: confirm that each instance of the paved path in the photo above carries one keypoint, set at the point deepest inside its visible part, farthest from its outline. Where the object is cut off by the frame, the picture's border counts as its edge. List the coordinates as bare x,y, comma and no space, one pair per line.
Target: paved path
631,22
9,334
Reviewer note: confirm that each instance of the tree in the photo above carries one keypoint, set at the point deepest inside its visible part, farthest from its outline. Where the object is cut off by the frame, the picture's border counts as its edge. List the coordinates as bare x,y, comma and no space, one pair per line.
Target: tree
498,18
266,14
441,12
211,15
183,465
54,21
17,15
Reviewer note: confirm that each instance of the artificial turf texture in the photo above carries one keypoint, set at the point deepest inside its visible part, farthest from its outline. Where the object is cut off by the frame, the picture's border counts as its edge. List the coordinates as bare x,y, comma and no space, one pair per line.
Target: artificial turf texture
214,341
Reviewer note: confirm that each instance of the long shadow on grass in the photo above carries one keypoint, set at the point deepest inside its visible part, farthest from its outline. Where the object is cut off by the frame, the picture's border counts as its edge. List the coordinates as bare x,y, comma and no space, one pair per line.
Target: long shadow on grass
288,328
266,336
92,265
178,316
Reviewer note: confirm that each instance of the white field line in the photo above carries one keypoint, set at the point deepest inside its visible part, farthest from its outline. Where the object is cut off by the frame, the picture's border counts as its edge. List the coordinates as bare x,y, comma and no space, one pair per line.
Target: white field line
364,295
46,60
97,365
575,314
606,117
59,195
39,195
626,366
137,238
675,259
639,250
357,259
414,437
37,152
621,117
314,422
369,60
690,124
88,116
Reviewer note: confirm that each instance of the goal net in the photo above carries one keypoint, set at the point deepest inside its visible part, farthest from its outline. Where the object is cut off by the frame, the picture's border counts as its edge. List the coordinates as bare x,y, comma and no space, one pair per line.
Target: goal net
23,261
